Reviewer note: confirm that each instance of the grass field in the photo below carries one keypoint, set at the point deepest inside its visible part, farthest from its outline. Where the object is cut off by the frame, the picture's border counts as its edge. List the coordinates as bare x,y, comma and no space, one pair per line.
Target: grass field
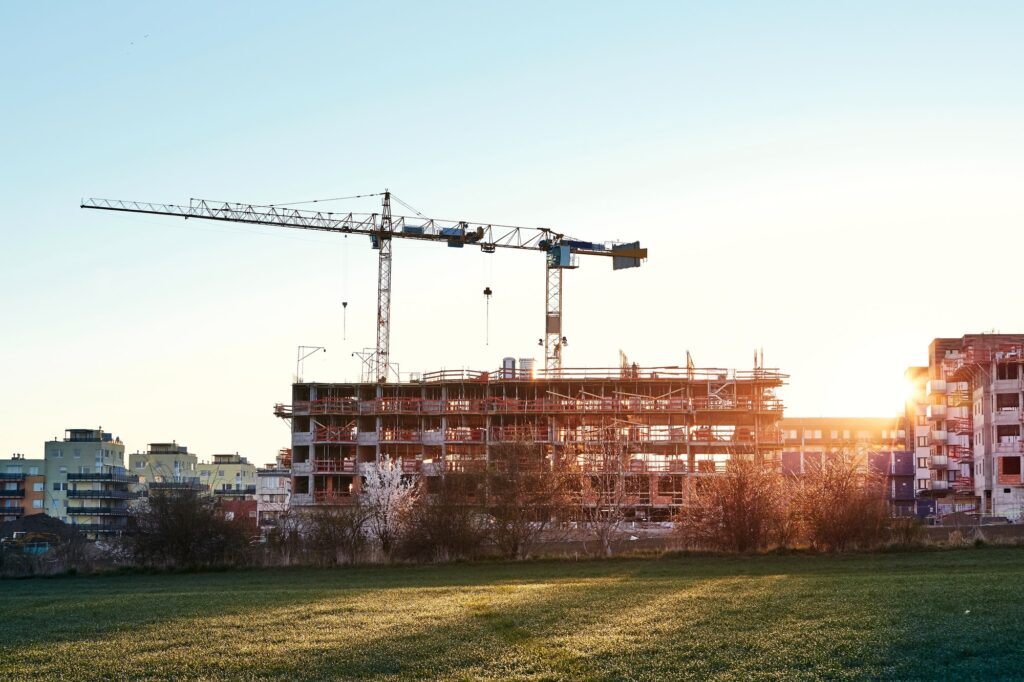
934,615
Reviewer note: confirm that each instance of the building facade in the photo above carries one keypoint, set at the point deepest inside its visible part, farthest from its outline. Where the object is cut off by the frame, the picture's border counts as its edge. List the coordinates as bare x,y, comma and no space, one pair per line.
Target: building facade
967,411
82,452
273,490
22,487
164,463
228,475
879,443
671,423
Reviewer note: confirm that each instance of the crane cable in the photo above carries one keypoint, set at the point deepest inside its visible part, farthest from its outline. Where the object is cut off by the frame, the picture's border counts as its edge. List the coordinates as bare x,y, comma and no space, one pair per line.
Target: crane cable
316,201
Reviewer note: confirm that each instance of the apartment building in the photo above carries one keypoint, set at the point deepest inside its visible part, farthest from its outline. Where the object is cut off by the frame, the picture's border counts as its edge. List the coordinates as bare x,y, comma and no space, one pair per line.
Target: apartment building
967,416
74,462
878,442
22,487
273,490
228,475
165,465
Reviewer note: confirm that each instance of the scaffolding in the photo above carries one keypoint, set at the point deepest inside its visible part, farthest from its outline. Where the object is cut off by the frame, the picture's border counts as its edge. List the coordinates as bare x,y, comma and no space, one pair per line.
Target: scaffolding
671,425
981,365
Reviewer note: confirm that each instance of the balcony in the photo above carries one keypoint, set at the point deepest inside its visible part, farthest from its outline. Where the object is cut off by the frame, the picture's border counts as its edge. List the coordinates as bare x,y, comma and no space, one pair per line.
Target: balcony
10,476
301,499
343,466
104,477
940,461
302,468
97,511
1006,416
940,484
935,412
16,510
1012,447
939,436
16,492
101,495
935,387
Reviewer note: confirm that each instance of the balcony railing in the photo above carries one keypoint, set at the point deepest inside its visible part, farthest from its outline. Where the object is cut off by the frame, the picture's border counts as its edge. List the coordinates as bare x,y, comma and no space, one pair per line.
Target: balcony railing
102,494
17,510
104,477
97,511
16,492
247,490
350,406
99,527
11,476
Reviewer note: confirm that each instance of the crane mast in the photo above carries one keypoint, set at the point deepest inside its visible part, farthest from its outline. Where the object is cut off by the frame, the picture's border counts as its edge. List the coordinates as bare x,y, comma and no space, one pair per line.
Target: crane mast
560,250
381,360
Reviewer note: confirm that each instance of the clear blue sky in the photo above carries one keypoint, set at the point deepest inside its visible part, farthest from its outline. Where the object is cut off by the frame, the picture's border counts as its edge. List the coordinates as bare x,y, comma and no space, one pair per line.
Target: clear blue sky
836,182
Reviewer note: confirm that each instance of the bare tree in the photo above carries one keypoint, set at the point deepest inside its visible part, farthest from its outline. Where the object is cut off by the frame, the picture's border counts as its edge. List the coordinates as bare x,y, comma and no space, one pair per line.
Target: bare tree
181,528
741,509
446,521
387,496
842,504
336,534
602,495
525,496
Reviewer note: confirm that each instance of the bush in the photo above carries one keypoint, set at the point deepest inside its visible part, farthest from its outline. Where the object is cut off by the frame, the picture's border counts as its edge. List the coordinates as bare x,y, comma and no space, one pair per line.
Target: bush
445,523
742,509
336,535
181,529
842,505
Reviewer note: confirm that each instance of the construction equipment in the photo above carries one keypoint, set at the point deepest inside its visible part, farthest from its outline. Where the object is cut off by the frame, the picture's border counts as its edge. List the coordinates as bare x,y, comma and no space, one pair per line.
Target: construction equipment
561,251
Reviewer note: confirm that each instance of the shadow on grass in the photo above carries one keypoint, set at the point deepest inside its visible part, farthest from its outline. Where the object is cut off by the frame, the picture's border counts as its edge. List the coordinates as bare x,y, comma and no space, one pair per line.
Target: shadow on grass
743,618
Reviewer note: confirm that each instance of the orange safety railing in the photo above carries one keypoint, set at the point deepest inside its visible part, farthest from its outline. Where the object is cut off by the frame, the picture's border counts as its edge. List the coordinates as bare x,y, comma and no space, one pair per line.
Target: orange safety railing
335,434
343,466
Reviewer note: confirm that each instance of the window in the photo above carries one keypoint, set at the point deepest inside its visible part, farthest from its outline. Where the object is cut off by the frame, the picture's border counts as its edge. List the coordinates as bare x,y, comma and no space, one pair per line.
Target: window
808,434
922,484
78,453
846,435
33,471
1011,466
835,435
922,420
922,462
922,441
37,504
58,454
38,487
817,434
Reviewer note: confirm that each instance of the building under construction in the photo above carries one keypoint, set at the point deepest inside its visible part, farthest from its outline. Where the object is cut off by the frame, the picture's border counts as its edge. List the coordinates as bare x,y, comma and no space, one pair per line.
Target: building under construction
665,425
968,413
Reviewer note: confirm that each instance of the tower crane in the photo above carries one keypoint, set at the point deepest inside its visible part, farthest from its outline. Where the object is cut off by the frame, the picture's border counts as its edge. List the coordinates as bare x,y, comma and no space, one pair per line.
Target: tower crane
561,252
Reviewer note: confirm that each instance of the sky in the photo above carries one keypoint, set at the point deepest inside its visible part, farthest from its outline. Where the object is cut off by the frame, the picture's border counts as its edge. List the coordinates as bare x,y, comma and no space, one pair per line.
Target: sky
836,183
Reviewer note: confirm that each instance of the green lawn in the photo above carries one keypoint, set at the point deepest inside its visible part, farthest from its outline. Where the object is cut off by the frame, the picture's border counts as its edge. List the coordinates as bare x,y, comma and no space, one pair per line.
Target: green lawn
935,615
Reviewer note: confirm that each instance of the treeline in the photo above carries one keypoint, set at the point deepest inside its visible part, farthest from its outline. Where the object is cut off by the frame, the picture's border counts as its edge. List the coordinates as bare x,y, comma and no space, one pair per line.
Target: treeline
520,506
